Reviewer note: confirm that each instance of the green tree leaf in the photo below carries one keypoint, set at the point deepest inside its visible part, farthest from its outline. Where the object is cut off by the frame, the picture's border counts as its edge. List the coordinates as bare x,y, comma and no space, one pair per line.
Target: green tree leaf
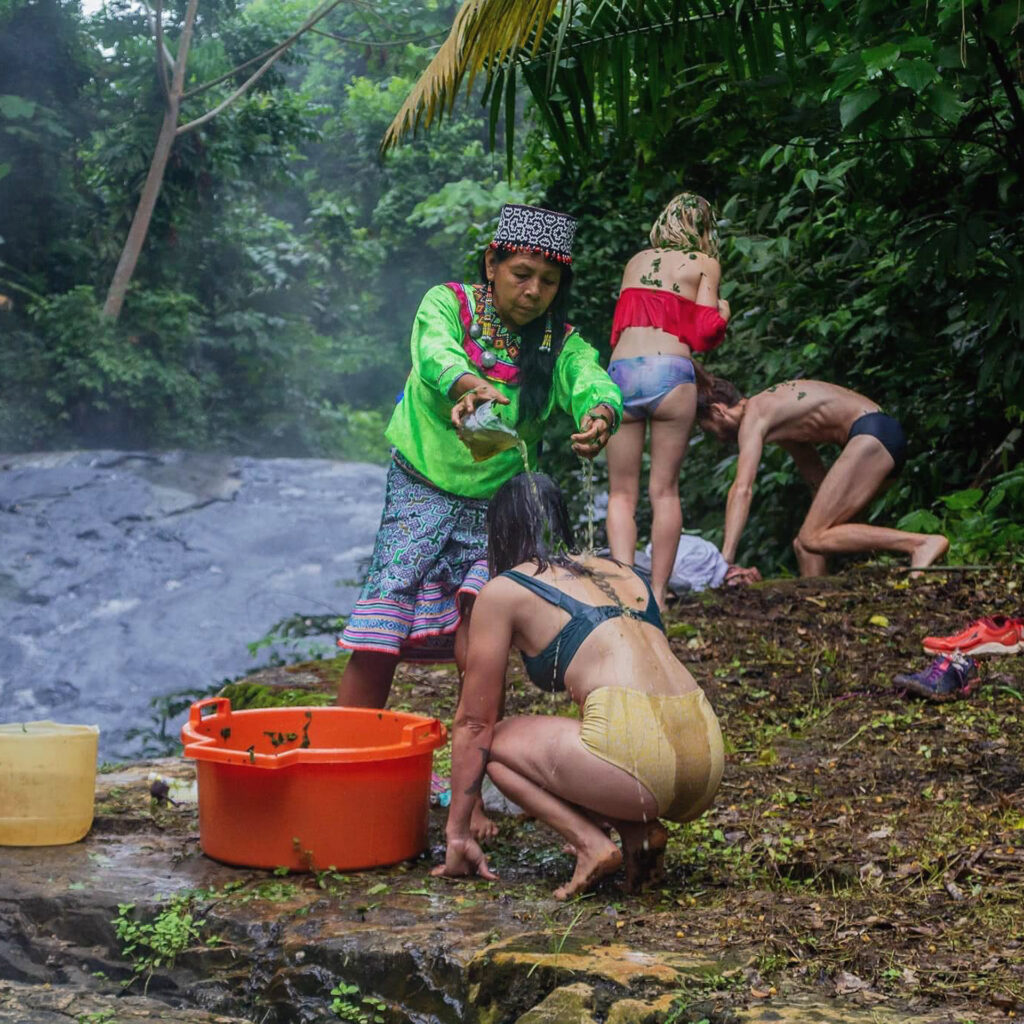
915,74
960,500
854,105
920,521
16,107
942,101
880,58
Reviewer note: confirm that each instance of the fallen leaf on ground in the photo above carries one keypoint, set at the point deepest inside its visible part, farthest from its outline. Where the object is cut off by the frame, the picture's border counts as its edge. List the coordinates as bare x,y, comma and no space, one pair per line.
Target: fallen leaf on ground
846,983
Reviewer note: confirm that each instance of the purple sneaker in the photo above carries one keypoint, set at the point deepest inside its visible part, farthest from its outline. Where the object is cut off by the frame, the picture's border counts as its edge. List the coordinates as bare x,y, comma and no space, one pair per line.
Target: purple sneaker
948,677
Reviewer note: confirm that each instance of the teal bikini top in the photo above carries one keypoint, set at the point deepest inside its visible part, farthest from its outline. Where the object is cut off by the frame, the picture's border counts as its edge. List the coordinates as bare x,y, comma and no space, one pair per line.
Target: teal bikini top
547,669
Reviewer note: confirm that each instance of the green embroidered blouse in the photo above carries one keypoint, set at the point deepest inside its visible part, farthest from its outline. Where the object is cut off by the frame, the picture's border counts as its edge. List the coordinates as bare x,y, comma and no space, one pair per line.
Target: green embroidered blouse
421,427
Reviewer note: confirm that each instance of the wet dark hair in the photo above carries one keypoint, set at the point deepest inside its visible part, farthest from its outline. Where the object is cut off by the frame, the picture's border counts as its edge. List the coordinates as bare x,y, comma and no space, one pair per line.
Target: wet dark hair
536,367
712,389
527,521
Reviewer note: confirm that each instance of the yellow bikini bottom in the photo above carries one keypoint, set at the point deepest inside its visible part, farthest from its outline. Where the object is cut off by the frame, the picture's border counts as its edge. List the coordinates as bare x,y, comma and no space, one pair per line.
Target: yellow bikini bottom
670,743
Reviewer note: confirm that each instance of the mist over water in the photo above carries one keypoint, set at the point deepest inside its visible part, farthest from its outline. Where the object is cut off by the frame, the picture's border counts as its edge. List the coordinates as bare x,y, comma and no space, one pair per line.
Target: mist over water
133,575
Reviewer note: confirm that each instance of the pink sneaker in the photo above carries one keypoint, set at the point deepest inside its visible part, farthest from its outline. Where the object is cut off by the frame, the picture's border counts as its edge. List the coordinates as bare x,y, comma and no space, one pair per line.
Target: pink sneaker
995,634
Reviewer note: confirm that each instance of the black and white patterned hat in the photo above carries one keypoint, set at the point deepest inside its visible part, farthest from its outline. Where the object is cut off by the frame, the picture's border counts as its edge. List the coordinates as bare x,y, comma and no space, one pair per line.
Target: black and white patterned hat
531,229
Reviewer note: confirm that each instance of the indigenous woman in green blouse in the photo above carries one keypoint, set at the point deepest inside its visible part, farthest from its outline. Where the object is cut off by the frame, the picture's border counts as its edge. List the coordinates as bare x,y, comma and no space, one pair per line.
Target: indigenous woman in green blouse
506,341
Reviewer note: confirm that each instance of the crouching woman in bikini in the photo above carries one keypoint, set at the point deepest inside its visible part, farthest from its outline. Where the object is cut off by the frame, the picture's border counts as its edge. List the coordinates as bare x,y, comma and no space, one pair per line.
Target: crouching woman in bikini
648,745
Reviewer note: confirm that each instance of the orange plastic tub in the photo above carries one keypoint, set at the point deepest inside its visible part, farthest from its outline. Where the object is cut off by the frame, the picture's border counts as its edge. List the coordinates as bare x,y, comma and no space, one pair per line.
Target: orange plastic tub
310,788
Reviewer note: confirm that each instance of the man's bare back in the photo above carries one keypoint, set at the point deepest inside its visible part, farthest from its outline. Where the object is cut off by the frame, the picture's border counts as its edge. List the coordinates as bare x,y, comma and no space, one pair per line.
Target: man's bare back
807,411
797,415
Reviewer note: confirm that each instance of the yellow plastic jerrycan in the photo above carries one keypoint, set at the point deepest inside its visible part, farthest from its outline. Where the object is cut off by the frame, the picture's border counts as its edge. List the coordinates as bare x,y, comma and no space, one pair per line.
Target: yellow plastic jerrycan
47,782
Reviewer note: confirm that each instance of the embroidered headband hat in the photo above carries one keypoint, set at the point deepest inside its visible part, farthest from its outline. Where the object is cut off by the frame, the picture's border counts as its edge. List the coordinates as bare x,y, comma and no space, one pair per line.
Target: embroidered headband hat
532,229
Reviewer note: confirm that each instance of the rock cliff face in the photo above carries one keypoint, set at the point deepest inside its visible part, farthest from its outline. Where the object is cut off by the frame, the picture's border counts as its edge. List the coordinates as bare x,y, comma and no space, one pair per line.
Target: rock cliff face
129,576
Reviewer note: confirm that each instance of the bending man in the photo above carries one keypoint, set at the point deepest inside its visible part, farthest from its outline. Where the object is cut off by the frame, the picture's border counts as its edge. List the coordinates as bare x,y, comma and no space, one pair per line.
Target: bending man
798,415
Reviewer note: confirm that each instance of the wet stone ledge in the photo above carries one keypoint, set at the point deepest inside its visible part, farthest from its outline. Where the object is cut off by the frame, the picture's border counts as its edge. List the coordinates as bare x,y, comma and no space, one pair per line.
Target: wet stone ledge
391,945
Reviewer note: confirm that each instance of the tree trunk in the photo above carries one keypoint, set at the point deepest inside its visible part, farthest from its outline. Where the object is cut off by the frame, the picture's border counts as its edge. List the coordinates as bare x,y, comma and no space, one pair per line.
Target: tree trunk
143,212
155,178
170,130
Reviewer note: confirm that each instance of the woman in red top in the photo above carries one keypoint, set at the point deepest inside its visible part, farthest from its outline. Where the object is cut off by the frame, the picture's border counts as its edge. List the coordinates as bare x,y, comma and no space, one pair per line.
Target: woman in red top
668,308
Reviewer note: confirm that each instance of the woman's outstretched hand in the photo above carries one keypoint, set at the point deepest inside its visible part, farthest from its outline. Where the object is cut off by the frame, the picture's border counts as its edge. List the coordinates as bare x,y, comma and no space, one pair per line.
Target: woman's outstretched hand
469,400
464,857
595,429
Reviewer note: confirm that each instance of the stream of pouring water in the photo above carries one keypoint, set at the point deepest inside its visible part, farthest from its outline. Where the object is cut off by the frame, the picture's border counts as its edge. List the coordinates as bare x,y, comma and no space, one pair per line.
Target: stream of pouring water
588,498
524,454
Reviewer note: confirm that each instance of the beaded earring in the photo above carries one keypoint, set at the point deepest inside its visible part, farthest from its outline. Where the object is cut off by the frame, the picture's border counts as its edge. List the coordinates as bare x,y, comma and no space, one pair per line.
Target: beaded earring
545,345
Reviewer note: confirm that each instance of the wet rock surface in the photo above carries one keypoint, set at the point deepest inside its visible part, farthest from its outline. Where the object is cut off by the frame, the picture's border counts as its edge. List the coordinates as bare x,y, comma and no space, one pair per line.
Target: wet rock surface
46,1004
128,576
863,861
272,948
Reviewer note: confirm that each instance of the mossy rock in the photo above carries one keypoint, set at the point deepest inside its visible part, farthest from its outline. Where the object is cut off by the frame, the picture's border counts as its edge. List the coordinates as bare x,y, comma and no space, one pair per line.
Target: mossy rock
568,1004
246,694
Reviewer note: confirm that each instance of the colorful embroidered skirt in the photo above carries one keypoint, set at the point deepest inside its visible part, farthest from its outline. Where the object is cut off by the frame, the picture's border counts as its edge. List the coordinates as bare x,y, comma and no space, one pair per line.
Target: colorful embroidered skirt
431,548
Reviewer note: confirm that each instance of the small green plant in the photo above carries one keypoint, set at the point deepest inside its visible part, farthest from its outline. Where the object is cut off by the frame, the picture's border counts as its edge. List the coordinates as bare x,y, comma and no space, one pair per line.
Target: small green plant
351,1006
676,1014
695,993
105,1016
158,739
303,634
275,892
980,527
157,943
556,942
330,879
443,761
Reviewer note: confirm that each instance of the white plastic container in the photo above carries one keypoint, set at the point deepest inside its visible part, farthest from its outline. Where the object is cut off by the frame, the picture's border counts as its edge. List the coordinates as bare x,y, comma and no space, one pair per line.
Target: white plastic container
47,782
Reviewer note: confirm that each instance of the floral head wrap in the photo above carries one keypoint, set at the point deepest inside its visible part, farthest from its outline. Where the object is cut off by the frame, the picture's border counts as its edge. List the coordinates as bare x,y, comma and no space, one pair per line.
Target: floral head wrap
688,222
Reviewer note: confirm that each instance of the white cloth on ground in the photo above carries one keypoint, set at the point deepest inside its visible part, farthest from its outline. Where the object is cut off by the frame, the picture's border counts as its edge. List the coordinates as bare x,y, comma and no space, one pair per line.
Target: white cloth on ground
699,564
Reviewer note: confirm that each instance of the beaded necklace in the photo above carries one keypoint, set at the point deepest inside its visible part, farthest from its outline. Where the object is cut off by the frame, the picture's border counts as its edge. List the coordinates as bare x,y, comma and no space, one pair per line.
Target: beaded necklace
491,328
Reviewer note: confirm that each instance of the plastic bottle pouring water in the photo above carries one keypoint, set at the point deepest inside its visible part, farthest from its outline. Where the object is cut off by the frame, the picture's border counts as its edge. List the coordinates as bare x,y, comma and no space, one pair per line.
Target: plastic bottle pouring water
486,434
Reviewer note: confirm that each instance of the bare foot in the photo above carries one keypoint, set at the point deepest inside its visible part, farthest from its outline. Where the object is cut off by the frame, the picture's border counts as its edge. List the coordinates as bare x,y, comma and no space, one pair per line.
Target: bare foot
481,828
643,848
600,821
931,549
591,865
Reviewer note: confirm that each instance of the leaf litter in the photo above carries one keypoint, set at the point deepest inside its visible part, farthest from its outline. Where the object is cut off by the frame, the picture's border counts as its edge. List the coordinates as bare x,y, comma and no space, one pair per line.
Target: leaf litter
862,841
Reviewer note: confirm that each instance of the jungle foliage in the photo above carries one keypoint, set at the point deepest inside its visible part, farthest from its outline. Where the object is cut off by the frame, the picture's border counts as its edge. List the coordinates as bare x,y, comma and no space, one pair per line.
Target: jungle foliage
270,309
865,158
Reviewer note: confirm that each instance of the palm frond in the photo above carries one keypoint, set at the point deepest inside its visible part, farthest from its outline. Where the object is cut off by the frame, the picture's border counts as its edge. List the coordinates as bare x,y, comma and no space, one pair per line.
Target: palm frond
599,57
486,35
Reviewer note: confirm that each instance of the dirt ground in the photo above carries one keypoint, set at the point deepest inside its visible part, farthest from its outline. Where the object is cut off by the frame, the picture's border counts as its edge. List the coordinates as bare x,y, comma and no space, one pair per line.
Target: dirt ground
860,837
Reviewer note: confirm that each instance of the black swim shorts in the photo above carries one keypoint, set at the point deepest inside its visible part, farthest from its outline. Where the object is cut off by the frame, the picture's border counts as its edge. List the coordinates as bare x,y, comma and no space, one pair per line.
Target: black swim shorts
888,430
